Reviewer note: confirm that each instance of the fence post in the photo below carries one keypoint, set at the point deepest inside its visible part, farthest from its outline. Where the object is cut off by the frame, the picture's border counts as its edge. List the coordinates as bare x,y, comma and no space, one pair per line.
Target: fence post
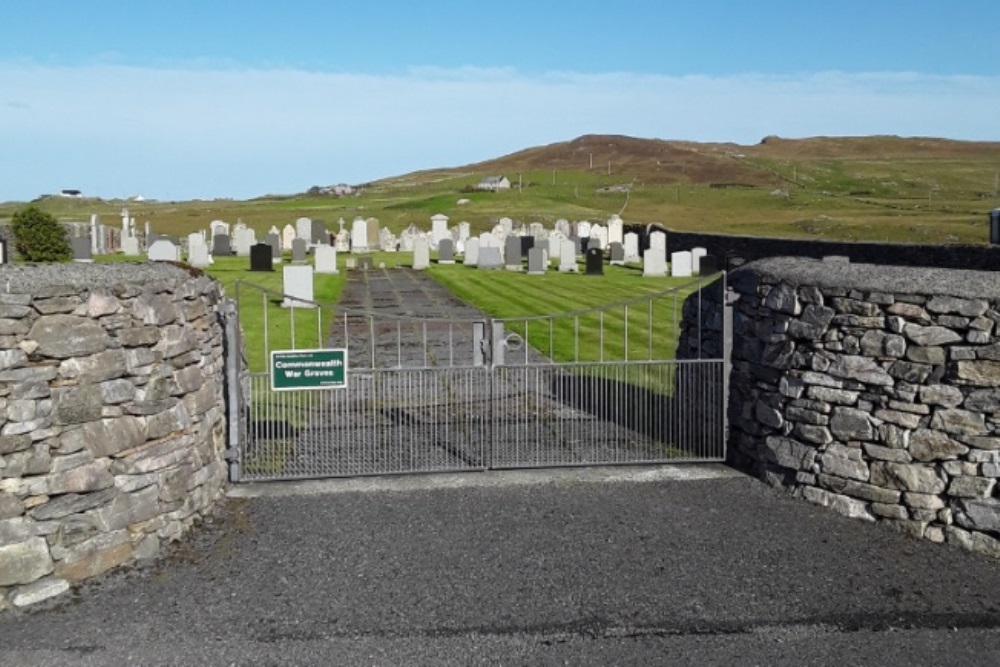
729,299
232,365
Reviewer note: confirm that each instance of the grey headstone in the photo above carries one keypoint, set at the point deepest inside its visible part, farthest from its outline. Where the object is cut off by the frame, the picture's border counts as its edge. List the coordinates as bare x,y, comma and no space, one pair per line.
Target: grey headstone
536,261
299,248
261,257
319,234
325,258
489,258
163,251
617,253
81,249
593,242
221,245
446,251
512,253
273,240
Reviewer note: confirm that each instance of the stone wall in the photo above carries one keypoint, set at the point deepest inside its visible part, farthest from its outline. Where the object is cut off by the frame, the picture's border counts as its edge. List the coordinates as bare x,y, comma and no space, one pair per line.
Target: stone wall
873,390
731,247
113,422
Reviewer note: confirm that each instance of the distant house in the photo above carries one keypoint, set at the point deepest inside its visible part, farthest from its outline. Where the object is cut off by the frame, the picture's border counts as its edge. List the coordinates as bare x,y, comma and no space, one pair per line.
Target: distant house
70,193
494,183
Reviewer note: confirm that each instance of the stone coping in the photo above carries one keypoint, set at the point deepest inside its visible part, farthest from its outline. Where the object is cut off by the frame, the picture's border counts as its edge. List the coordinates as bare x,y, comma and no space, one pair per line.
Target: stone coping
872,277
27,279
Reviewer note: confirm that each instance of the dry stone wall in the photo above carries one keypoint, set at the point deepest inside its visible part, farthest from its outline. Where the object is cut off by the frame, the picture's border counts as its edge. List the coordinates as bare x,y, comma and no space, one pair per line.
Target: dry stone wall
873,390
112,423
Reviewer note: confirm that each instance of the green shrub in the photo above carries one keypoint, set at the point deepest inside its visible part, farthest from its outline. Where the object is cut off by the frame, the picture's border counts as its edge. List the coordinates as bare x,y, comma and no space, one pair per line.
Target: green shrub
38,236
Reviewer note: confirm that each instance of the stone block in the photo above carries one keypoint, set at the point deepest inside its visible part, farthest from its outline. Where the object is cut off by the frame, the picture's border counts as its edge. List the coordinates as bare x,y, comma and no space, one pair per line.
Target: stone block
960,422
851,424
39,591
788,453
95,556
907,477
971,487
64,336
931,445
24,562
978,373
91,477
930,336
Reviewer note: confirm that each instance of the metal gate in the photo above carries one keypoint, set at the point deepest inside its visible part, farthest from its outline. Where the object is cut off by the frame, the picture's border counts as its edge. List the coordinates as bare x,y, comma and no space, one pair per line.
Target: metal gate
433,394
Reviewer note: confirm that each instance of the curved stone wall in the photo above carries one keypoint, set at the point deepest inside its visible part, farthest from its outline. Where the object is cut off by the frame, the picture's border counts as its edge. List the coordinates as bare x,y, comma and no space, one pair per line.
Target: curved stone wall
112,428
873,390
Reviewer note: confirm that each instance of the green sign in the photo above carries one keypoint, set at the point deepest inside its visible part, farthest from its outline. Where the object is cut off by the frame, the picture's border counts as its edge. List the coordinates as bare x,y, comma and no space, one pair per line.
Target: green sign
308,369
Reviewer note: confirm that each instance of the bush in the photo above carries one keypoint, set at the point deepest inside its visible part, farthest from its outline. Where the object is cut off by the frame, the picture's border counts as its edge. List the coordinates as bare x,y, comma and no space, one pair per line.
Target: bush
38,236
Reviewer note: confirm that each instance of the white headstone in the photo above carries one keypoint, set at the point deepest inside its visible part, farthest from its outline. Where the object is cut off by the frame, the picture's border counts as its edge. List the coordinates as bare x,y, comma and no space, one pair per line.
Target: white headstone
615,230
599,232
326,259
658,240
439,229
198,255
680,264
567,256
359,235
130,246
218,227
554,245
696,255
298,283
163,250
654,264
287,236
631,246
463,231
583,229
245,239
343,241
421,254
303,229
471,257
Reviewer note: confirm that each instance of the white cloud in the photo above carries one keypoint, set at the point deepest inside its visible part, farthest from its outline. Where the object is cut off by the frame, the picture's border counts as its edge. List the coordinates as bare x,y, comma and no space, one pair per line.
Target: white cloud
178,133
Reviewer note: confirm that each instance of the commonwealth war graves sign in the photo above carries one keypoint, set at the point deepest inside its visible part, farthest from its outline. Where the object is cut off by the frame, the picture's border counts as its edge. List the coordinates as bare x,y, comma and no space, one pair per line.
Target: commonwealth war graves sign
308,369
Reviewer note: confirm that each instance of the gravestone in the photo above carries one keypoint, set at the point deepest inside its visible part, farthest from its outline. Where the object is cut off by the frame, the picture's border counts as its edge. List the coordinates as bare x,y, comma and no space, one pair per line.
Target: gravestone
299,249
708,265
567,256
198,255
303,229
261,257
82,251
421,254
359,235
696,255
489,258
536,261
599,232
365,263
371,229
325,257
594,243
654,264
595,262
273,240
446,251
298,283
439,230
130,246
554,245
217,227
631,247
163,250
583,229
512,253
287,236
350,263
221,246
616,229
680,264
527,243
471,257
617,254
343,241
245,239
317,232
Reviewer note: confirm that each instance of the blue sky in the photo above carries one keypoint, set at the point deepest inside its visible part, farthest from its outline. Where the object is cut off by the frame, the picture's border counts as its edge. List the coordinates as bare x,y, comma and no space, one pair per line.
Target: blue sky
183,99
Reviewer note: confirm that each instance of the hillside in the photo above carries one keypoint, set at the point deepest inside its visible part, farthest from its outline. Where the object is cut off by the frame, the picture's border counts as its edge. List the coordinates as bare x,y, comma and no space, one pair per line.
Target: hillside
918,189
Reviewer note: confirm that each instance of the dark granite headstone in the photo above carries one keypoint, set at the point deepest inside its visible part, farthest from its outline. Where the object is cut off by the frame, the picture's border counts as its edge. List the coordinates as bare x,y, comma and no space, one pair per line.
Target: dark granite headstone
595,262
708,265
446,251
261,257
4,259
527,243
222,245
299,249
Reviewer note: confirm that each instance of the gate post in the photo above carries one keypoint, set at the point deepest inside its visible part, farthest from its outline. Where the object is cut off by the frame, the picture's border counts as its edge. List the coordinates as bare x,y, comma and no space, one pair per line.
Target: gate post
232,366
729,299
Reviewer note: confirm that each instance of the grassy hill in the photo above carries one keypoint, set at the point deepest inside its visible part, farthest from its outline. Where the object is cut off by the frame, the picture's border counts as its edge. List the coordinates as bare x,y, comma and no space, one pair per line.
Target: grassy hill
862,188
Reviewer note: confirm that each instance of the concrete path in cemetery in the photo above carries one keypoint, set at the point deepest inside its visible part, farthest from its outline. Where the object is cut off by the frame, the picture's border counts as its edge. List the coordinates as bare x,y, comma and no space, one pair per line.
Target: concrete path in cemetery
689,565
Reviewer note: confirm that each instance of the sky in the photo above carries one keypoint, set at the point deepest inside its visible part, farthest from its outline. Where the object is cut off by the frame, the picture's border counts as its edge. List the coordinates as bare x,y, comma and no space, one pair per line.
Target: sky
205,99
